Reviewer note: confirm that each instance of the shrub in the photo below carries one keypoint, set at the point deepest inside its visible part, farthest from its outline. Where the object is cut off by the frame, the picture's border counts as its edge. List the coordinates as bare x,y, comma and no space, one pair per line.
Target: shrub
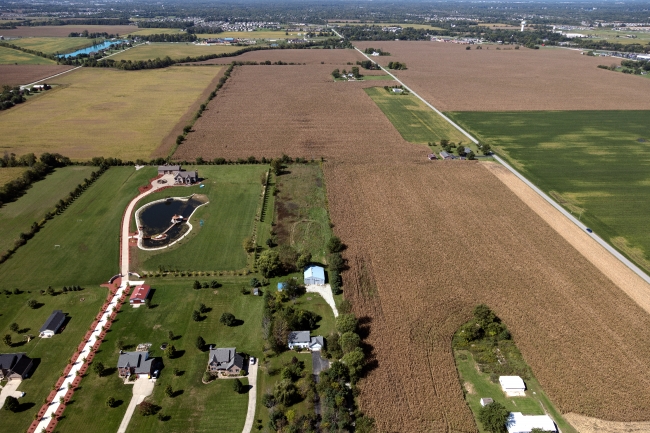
238,386
227,319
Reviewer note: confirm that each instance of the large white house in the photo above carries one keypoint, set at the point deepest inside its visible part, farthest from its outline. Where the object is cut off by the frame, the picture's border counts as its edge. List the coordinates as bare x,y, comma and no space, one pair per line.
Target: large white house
513,386
520,423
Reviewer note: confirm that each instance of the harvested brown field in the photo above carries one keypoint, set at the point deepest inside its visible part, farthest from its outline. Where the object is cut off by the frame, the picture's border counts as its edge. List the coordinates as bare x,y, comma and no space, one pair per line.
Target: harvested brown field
308,56
429,241
296,110
64,31
14,75
591,425
455,79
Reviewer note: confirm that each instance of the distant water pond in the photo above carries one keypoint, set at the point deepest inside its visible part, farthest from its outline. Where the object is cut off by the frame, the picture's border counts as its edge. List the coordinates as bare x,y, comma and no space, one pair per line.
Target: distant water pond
89,50
165,221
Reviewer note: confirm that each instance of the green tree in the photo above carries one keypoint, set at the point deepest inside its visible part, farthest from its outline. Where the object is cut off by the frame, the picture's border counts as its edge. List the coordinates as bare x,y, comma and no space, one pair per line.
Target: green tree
227,319
14,327
196,316
11,404
203,308
110,402
334,245
336,73
276,166
303,260
346,323
364,424
200,343
170,335
238,386
248,244
169,391
269,263
485,148
99,368
349,341
471,156
354,361
494,417
7,340
484,316
255,282
285,392
170,351
196,285
32,304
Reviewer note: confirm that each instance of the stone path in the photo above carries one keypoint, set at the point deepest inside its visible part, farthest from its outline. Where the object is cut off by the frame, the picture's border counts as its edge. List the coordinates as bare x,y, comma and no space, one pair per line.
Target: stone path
142,388
326,292
10,389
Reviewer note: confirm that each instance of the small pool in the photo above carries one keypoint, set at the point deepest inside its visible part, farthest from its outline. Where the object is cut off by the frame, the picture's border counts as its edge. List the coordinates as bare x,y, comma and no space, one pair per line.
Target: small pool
165,221
89,50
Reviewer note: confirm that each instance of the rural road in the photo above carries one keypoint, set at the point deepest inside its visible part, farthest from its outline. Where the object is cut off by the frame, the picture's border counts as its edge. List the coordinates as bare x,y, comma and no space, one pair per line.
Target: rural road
142,388
252,398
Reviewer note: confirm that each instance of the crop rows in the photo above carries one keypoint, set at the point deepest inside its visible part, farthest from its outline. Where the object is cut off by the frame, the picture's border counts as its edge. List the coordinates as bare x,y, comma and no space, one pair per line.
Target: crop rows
13,75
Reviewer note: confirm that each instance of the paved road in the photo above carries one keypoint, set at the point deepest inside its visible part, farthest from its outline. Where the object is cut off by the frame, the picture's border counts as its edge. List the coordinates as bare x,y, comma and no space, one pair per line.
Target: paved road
318,364
142,388
10,389
252,398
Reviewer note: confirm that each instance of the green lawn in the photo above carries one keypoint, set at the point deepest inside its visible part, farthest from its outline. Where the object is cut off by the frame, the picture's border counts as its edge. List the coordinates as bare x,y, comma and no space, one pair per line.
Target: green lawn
199,408
87,234
234,194
415,122
9,56
53,45
18,216
377,77
51,354
174,50
595,163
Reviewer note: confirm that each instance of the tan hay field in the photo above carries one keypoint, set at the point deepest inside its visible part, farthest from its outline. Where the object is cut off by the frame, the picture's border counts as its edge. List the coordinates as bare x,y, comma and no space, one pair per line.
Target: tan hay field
14,75
105,112
64,31
590,425
455,79
309,56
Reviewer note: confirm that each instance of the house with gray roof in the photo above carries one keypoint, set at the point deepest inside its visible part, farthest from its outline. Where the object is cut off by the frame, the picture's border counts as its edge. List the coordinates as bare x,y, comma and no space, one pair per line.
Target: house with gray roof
225,360
186,177
302,340
15,366
137,363
53,324
168,169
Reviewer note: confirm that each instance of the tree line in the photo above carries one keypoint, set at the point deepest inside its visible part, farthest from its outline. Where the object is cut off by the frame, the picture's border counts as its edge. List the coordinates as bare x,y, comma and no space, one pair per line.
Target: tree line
177,37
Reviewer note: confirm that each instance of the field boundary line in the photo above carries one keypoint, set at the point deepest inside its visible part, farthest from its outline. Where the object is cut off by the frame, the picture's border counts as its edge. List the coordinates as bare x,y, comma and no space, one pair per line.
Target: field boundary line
52,76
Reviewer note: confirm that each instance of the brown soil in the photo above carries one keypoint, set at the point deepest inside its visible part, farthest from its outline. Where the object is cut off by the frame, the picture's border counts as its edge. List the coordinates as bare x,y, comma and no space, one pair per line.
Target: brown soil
310,57
14,75
591,425
452,78
64,31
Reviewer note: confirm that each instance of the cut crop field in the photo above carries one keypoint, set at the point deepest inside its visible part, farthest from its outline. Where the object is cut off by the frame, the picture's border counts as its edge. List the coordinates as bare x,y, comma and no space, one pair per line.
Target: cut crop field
234,194
195,407
13,75
17,217
128,118
10,173
9,56
311,56
80,246
64,31
594,163
174,50
584,339
452,78
52,45
415,121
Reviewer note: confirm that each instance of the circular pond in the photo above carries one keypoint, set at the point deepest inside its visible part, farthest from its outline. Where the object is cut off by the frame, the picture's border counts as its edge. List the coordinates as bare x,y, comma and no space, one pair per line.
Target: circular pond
163,222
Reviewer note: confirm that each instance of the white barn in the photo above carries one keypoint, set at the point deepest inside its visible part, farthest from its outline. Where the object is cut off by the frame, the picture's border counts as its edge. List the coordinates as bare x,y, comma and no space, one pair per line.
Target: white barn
513,386
314,275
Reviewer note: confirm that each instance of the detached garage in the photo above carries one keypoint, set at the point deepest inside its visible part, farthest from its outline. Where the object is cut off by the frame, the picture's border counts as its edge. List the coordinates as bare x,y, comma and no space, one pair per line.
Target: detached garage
314,276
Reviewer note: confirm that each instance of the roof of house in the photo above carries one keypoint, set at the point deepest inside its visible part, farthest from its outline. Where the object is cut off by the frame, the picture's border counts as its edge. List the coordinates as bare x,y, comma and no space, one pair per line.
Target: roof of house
486,400
186,174
280,286
520,423
512,382
138,360
16,362
444,154
468,150
225,357
169,168
316,340
22,365
54,322
315,272
7,360
299,337
140,292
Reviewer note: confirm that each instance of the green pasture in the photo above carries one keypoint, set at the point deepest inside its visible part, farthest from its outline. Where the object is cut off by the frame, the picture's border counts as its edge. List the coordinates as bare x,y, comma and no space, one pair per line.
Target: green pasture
50,355
197,407
415,122
234,193
9,56
619,37
174,50
17,217
54,45
377,77
87,234
595,163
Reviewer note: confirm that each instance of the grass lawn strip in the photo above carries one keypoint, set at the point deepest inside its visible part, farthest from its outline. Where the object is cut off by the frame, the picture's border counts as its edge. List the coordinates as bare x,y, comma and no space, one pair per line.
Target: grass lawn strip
9,56
53,45
176,51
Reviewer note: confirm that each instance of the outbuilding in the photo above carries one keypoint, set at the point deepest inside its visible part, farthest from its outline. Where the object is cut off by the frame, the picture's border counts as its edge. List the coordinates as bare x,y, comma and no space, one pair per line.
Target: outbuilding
53,324
486,400
314,276
513,386
520,423
139,295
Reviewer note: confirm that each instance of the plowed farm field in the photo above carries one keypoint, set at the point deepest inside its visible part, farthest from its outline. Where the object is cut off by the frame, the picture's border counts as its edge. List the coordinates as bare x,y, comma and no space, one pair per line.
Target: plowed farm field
13,75
64,31
461,238
455,79
310,57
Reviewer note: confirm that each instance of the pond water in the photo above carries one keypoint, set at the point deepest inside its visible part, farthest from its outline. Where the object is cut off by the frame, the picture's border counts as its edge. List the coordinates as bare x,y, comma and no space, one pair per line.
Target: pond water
89,50
156,219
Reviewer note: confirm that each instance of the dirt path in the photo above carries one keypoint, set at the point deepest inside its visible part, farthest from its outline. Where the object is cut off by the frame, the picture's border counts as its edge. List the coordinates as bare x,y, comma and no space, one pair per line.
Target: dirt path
614,269
252,398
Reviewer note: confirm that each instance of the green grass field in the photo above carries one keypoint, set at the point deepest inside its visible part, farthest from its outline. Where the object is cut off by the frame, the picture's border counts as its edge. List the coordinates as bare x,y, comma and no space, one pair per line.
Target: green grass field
18,216
9,56
174,50
87,232
415,122
105,112
234,194
53,45
51,354
618,37
377,77
595,163
199,408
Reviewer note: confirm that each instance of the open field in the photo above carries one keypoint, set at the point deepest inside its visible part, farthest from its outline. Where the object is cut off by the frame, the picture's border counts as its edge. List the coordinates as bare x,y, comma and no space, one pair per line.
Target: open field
10,173
234,194
415,121
312,56
88,235
196,407
602,173
53,45
452,78
127,119
590,425
408,283
18,216
50,355
304,114
618,37
64,31
13,75
174,50
9,56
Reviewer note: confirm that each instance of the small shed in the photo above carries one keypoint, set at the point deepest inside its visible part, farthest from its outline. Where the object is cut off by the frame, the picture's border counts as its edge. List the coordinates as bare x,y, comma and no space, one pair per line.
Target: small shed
139,295
256,291
486,400
314,275
280,287
513,386
53,324
467,150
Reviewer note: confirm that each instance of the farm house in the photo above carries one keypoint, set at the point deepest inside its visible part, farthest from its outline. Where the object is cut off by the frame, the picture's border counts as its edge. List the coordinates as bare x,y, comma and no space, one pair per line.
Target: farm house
314,275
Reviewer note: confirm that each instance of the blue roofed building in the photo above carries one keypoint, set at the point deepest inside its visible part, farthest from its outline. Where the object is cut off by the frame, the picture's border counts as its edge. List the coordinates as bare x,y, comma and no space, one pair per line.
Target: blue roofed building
314,275
280,287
